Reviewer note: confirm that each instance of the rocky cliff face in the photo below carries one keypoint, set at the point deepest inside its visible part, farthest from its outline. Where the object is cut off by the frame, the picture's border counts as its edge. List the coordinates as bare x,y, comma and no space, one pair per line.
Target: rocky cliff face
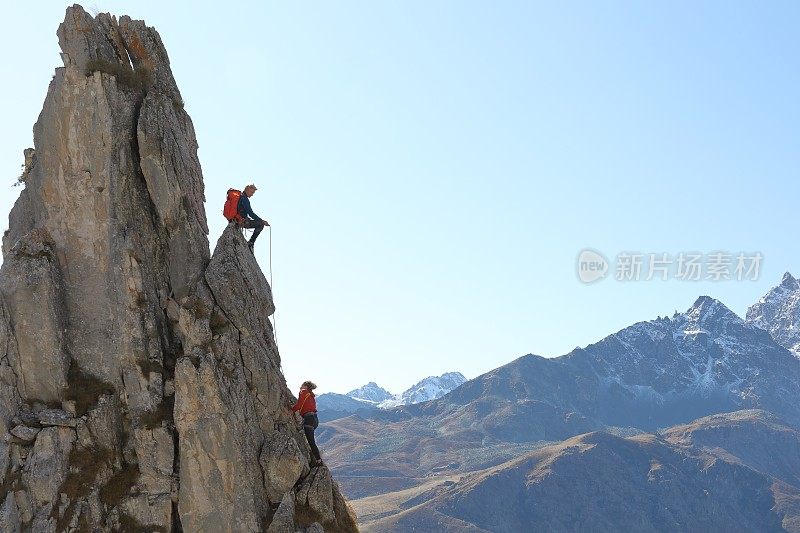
140,385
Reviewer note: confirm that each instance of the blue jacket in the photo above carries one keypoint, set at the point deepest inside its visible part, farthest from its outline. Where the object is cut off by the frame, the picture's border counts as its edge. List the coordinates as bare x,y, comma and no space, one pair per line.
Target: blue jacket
245,210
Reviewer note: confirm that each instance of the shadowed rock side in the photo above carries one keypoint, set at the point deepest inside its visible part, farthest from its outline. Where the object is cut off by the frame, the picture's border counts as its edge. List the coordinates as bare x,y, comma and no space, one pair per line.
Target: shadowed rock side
140,385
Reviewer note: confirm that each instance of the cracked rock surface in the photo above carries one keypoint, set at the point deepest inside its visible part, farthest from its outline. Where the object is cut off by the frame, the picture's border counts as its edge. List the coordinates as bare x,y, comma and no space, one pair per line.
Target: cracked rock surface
140,384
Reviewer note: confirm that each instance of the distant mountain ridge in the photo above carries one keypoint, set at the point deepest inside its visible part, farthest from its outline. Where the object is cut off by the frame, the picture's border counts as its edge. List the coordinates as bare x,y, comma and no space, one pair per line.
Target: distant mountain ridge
682,372
430,388
370,392
372,396
651,374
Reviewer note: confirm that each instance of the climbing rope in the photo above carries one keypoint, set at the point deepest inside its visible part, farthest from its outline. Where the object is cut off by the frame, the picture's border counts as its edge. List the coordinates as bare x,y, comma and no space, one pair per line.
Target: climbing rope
272,288
245,232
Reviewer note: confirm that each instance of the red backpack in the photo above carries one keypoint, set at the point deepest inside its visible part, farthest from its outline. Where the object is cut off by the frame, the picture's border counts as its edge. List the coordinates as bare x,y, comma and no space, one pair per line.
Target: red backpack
231,209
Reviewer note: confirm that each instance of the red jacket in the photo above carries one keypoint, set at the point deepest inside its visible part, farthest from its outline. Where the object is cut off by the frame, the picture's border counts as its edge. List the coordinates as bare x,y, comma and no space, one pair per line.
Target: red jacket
305,402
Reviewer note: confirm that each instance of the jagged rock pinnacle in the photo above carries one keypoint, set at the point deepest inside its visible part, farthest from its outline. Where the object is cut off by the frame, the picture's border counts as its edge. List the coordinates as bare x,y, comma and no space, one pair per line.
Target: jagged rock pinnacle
790,282
140,385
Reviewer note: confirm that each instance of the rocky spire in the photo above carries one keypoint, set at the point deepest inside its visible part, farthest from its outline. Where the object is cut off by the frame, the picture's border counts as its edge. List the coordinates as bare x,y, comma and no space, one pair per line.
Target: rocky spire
790,282
707,312
778,312
140,385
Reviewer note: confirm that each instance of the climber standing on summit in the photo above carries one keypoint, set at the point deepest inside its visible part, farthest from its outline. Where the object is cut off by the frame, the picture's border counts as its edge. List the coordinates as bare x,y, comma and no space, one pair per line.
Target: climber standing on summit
248,218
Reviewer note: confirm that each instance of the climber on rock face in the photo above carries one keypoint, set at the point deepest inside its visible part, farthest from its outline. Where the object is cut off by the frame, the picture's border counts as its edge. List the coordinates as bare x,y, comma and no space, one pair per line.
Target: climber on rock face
307,406
249,219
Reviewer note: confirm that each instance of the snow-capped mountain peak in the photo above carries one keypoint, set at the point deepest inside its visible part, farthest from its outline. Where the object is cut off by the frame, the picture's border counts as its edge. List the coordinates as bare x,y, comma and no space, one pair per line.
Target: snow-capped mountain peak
778,312
707,310
372,396
790,282
371,392
430,388
707,350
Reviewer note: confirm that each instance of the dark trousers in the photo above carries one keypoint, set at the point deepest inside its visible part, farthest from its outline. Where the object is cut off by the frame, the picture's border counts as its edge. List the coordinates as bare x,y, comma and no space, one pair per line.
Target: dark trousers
310,423
257,225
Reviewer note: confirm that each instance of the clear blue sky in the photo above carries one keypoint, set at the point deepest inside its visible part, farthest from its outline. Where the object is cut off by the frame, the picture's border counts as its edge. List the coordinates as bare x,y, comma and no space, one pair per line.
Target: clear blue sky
432,169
